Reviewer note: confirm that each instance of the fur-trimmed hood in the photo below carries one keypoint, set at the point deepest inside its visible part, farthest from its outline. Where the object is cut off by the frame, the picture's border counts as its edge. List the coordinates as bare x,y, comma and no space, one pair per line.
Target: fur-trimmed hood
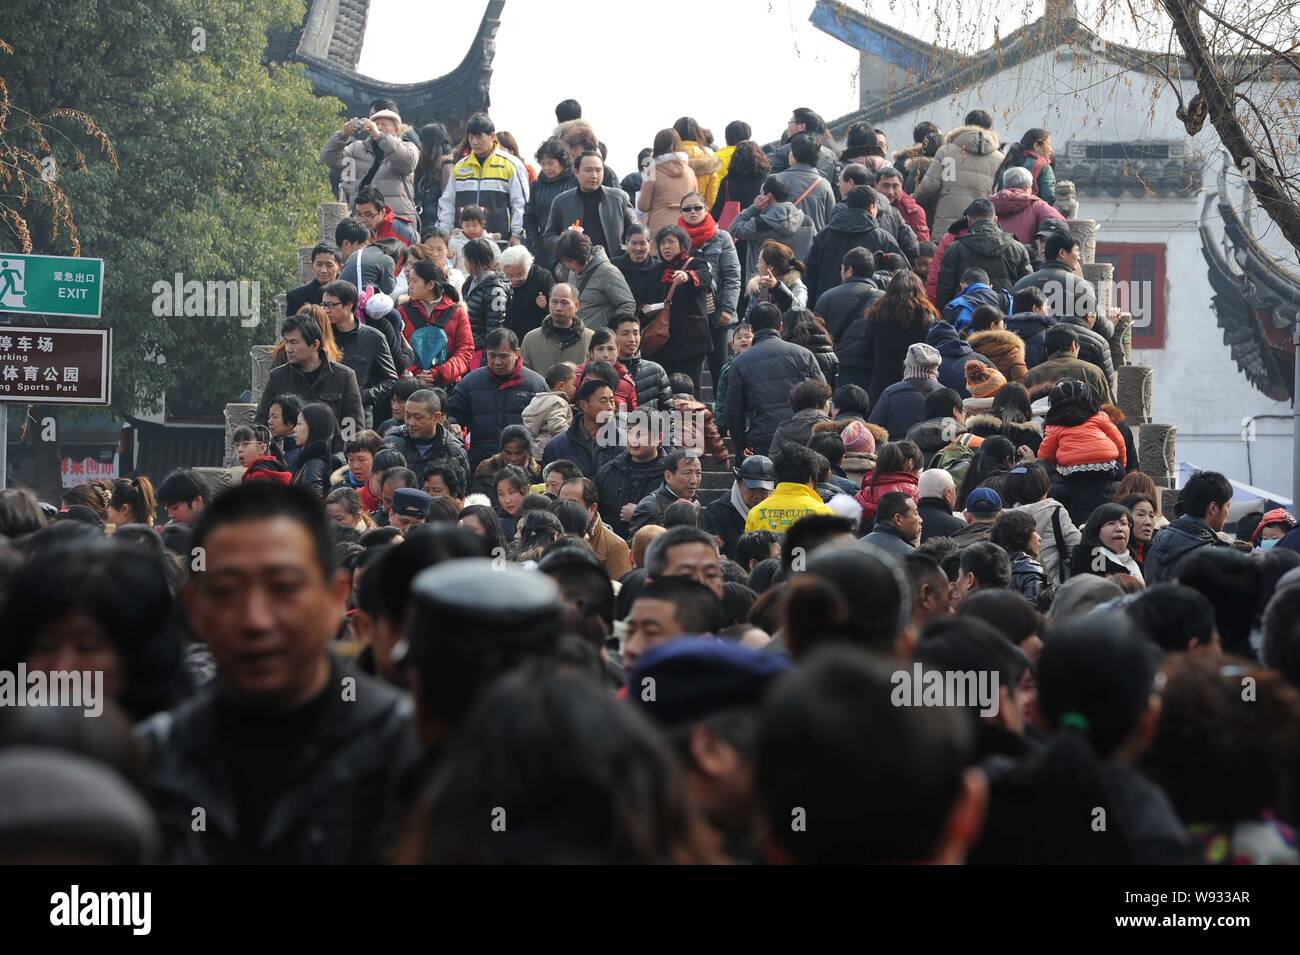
571,127
1114,413
974,139
703,163
998,339
1020,432
914,151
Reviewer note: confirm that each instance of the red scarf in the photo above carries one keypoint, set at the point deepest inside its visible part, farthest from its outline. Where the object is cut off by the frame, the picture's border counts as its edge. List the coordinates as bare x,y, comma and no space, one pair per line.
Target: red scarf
516,376
677,265
701,233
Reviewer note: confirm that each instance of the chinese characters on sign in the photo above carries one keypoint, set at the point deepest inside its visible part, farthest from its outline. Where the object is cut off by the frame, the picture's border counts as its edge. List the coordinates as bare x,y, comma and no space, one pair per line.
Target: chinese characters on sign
55,365
51,285
78,471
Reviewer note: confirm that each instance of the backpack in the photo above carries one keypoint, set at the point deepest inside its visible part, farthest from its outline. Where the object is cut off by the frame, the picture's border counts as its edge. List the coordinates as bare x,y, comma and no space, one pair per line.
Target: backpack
954,458
959,310
430,346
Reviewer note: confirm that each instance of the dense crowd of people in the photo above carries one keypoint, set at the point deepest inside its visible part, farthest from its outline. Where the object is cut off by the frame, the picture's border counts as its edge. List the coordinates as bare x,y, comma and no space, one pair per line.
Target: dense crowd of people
469,598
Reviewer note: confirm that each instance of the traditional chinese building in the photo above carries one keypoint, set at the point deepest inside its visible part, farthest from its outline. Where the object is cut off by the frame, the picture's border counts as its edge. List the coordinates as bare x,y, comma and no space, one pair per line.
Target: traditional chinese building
329,44
1213,294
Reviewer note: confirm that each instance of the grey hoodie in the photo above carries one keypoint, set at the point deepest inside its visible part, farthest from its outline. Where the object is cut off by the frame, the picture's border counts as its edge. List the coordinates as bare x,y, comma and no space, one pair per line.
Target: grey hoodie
781,221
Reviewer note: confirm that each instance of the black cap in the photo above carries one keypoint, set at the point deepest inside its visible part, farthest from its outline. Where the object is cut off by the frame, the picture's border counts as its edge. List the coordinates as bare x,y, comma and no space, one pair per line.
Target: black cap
757,471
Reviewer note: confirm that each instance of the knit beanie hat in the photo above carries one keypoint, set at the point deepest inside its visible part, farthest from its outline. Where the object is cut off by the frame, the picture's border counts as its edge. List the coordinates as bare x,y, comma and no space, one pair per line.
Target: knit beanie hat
857,437
922,361
983,381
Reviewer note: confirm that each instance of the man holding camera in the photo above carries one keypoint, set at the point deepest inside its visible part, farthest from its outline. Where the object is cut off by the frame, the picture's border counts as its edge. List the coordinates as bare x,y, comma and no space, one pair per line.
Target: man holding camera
373,152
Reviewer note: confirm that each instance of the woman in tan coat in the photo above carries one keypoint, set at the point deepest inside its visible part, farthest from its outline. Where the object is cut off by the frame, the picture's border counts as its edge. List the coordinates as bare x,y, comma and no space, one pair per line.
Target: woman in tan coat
989,337
666,182
963,169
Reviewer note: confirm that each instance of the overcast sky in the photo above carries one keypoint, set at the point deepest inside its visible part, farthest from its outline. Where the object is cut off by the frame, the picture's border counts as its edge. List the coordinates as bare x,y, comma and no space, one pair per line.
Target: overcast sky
716,61
636,67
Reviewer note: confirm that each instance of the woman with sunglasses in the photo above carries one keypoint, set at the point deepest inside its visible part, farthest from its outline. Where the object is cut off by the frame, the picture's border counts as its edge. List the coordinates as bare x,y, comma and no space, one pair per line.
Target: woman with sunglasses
683,289
717,248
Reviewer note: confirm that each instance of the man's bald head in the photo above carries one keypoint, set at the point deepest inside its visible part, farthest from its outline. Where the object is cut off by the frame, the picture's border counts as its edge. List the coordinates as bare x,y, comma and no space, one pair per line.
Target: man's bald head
564,304
641,542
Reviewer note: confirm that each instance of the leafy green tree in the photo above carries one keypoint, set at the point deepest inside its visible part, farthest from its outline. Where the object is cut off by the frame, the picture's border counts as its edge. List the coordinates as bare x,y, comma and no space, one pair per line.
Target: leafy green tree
216,177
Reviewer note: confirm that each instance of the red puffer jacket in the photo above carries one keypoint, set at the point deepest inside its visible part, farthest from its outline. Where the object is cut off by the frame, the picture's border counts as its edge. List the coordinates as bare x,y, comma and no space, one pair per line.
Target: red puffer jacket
1095,441
454,321
875,486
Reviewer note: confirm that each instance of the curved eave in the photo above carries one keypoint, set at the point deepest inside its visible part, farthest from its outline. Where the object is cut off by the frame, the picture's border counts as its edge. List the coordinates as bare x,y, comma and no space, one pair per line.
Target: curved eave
1274,284
1237,309
470,81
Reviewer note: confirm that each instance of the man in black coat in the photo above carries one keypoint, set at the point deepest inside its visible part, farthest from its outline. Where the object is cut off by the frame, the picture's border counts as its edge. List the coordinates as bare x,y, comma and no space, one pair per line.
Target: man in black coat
365,351
886,216
309,374
852,225
1207,498
491,397
938,496
294,759
840,306
652,388
681,475
985,247
758,388
1073,301
622,482
325,265
424,439
725,517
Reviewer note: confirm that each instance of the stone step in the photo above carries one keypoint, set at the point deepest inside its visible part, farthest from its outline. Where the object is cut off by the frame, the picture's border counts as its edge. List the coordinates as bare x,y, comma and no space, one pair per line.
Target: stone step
716,479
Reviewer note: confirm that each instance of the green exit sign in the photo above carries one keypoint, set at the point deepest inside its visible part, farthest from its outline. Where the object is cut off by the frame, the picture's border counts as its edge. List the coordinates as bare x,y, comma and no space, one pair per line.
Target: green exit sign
51,285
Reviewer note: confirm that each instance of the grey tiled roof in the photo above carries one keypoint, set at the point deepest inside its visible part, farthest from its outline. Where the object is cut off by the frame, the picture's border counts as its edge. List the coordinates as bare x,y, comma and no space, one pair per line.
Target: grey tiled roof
1019,46
329,45
349,32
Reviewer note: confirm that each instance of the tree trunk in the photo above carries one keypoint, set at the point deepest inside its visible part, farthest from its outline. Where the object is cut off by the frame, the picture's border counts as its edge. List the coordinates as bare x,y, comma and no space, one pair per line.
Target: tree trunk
1219,99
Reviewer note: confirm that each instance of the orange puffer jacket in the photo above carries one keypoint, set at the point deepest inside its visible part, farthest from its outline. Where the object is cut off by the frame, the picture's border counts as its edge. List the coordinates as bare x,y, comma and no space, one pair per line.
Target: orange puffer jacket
1095,441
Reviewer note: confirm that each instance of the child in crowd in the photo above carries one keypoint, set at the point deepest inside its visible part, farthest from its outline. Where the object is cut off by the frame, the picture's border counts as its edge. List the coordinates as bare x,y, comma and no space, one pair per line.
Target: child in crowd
438,242
252,445
1078,435
551,412
741,339
473,225
692,427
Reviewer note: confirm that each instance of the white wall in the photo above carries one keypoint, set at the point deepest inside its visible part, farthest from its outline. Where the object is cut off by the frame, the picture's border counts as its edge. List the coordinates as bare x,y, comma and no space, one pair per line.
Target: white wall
1197,385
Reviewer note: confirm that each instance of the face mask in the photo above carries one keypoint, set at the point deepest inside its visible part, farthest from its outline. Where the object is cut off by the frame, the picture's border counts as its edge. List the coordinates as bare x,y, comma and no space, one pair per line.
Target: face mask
1268,544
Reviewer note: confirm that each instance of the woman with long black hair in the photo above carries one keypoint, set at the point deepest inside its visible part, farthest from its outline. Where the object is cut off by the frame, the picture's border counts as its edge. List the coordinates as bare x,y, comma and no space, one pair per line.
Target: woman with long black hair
432,171
317,432
893,325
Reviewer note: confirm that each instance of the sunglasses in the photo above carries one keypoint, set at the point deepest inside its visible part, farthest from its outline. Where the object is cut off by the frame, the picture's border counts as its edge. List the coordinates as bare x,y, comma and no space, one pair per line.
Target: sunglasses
692,208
